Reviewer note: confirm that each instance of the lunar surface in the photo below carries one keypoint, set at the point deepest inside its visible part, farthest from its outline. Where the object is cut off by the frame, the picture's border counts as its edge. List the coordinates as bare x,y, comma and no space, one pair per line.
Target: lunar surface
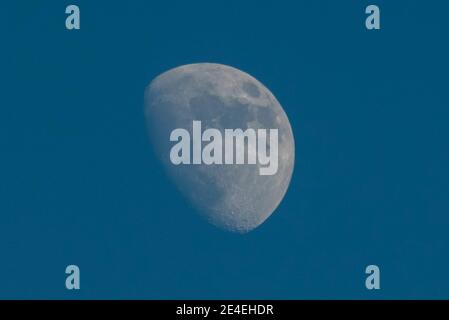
233,197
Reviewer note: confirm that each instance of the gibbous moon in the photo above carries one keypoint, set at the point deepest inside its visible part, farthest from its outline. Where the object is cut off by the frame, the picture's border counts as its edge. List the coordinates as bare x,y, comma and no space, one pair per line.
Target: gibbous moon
234,197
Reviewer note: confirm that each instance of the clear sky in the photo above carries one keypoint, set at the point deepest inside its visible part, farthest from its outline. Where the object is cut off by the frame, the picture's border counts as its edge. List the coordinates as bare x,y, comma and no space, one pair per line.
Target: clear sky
79,183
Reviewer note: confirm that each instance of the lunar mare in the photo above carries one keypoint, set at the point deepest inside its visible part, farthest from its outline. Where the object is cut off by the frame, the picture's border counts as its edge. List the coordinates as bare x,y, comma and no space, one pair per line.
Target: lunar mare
232,197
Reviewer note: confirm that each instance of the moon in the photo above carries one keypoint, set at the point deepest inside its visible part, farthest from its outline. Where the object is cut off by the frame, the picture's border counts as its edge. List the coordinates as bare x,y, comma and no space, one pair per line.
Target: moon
232,197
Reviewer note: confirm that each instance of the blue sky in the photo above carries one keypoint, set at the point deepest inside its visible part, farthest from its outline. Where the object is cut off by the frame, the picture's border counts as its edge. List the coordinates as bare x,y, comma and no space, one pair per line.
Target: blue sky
80,185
